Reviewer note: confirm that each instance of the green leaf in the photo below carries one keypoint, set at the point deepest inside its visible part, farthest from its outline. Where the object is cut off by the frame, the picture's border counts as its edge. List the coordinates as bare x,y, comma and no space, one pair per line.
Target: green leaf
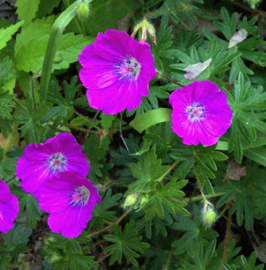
7,166
106,13
31,130
148,119
127,243
26,9
6,34
16,241
32,41
257,154
29,205
101,211
166,197
148,170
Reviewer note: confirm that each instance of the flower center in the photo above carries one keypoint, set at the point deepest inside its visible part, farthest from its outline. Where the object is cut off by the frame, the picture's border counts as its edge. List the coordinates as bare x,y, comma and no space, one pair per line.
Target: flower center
128,68
56,163
80,196
195,112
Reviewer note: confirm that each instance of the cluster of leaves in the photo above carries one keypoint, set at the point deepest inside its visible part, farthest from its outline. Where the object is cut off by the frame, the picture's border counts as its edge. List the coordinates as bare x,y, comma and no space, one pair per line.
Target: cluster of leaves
163,225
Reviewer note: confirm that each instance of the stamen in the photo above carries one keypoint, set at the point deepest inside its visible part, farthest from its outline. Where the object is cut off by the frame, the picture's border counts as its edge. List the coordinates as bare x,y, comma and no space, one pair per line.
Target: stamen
56,163
80,196
129,68
195,112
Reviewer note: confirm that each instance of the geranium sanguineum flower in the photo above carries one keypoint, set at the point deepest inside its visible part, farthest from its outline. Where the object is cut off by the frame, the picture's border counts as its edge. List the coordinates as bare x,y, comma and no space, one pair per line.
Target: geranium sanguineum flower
200,113
8,208
39,162
116,71
69,199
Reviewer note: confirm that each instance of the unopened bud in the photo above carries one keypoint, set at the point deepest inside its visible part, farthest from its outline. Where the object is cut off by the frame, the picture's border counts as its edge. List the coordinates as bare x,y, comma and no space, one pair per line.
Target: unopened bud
145,27
83,9
208,215
130,200
253,3
144,198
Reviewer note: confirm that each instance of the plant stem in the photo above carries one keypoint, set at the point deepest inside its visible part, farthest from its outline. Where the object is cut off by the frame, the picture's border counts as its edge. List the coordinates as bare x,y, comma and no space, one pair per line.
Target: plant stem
168,260
159,74
168,171
56,32
199,185
198,198
227,235
75,128
110,226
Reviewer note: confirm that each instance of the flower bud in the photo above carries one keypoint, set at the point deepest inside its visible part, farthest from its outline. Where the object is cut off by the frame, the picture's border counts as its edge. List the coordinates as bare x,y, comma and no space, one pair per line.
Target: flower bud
253,3
208,215
144,198
130,200
144,26
83,9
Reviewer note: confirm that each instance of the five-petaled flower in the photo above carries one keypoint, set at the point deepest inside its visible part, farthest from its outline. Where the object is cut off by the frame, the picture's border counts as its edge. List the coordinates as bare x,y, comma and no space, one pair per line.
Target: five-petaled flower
116,70
42,161
69,199
8,208
200,113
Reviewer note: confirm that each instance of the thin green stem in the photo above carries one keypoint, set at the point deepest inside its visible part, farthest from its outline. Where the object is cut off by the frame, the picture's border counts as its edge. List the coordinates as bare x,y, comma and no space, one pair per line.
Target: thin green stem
227,235
169,170
168,260
199,198
160,74
110,226
199,185
76,128
86,119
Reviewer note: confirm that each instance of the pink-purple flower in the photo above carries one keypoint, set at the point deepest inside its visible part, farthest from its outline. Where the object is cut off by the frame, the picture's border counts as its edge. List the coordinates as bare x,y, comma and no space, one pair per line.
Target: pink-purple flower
42,161
8,208
69,199
200,113
116,70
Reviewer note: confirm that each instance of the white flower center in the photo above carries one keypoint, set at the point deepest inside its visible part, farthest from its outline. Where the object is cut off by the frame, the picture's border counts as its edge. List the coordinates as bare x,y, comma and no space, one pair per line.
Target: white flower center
80,196
195,112
56,163
129,68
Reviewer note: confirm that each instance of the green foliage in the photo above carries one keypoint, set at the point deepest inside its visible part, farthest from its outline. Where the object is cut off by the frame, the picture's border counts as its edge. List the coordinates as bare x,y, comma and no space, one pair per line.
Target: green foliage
105,14
28,204
7,166
126,242
31,128
162,227
246,121
66,253
6,34
16,241
194,229
102,211
30,48
26,10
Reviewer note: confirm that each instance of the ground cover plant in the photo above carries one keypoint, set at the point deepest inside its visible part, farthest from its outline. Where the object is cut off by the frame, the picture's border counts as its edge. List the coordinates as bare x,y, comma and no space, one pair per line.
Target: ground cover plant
133,135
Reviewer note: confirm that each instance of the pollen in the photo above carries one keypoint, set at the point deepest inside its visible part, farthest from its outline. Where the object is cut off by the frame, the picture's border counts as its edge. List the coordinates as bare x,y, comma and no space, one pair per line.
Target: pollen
195,112
56,163
80,196
129,68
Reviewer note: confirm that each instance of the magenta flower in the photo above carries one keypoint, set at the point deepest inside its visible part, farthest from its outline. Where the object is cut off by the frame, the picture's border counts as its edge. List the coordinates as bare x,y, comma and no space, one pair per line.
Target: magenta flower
69,199
8,208
116,70
39,162
200,113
